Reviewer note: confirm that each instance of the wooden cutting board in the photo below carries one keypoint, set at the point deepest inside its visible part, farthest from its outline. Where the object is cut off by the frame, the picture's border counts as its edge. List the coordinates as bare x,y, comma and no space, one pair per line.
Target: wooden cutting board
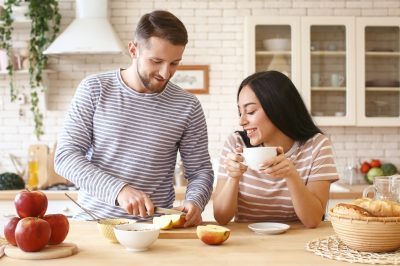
179,233
50,252
52,176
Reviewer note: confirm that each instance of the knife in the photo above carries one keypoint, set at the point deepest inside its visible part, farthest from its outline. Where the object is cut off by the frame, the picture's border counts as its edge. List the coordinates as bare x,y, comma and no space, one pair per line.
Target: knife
160,210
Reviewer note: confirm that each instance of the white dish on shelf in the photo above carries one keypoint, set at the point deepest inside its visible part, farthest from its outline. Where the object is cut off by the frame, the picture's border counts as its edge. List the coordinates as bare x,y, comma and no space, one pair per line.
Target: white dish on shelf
269,228
276,44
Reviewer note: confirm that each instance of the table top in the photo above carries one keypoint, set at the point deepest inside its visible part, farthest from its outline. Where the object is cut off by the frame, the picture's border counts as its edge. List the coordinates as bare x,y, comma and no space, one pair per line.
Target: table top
244,247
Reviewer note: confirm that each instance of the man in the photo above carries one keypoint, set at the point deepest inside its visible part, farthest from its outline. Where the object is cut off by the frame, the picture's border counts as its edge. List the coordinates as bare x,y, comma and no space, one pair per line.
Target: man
120,139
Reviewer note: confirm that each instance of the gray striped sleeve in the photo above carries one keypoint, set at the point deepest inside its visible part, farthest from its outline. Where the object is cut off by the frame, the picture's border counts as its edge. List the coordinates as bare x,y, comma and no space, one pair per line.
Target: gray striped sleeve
113,136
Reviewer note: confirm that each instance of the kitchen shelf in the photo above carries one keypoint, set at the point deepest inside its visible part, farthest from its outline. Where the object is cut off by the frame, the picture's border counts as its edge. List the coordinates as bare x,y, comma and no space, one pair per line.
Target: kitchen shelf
25,72
328,53
20,23
328,89
382,89
272,53
382,54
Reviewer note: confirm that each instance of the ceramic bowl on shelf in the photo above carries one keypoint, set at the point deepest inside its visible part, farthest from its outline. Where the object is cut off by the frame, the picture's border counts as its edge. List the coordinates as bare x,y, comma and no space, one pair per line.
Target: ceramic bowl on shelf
137,236
276,44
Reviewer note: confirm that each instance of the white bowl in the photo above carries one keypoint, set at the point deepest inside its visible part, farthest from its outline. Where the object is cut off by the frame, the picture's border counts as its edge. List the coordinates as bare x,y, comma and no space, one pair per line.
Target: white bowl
276,44
137,236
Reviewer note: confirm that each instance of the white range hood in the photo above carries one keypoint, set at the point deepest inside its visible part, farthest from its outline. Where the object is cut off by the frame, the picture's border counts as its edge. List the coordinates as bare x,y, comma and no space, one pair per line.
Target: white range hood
89,33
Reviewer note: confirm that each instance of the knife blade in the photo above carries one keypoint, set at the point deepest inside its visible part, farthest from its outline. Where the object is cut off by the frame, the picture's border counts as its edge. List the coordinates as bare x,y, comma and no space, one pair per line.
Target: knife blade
160,210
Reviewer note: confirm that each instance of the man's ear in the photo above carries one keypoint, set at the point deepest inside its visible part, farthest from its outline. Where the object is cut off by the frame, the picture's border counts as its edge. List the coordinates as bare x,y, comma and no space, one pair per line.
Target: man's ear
133,49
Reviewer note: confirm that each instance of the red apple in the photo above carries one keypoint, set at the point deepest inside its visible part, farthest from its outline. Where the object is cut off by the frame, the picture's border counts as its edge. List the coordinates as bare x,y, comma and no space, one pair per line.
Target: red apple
9,230
213,234
32,234
59,227
30,204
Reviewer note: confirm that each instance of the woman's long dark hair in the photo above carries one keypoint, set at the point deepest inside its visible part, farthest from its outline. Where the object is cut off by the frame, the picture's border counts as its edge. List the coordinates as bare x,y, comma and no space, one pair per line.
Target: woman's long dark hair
282,104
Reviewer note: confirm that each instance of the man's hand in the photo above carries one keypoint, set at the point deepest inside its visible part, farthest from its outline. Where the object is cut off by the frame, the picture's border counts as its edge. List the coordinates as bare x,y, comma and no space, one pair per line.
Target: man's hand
135,202
193,213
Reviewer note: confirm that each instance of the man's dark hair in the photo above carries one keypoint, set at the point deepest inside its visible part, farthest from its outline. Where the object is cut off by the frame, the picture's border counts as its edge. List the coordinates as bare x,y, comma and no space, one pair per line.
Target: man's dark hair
162,24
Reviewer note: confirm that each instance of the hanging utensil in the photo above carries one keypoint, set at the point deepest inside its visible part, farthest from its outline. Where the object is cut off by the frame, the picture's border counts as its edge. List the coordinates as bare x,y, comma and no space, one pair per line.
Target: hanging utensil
83,208
19,168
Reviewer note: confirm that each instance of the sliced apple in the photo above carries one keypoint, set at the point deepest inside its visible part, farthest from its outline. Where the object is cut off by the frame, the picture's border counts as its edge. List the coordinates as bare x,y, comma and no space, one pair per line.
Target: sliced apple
163,222
178,220
213,234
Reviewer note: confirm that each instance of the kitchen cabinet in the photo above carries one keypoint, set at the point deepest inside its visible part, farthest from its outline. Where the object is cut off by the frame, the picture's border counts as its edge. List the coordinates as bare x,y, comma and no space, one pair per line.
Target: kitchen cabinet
347,68
328,69
260,57
378,71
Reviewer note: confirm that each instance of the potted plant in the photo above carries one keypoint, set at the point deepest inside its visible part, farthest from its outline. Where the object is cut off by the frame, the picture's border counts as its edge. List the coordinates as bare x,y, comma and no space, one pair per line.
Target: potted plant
6,29
45,24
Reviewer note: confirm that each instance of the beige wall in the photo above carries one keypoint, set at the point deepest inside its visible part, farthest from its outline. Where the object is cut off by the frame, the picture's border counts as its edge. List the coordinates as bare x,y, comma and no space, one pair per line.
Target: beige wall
216,38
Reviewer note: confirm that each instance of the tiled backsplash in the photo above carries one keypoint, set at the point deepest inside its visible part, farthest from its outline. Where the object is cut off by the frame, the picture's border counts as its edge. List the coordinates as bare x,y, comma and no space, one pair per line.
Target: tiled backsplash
215,38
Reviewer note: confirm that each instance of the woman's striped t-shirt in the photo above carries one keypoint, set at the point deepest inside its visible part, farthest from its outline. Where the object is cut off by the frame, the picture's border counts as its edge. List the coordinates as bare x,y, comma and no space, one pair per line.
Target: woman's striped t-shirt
113,136
262,198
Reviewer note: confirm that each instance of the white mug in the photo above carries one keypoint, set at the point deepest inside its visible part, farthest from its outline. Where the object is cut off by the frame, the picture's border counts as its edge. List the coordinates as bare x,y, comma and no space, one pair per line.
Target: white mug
253,157
337,80
315,79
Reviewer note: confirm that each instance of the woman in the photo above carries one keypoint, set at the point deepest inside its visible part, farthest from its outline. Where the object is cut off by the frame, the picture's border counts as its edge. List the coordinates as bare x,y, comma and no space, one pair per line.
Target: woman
294,185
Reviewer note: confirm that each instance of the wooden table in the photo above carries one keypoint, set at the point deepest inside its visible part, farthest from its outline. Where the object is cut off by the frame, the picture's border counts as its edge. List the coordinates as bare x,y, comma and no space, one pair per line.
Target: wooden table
243,248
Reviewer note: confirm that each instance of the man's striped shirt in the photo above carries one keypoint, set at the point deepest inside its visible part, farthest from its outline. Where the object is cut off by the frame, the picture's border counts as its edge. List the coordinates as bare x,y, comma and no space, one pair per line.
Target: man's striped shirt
113,136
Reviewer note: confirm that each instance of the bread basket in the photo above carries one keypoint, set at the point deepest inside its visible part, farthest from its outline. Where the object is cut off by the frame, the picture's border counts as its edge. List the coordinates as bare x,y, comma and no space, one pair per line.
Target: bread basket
371,234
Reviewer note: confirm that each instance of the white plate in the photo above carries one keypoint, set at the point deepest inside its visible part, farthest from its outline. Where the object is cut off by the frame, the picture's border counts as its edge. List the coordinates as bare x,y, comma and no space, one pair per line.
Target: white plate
269,228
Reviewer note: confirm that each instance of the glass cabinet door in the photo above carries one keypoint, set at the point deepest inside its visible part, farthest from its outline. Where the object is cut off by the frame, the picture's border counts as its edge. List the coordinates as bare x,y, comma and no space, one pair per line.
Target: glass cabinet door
378,81
273,44
328,69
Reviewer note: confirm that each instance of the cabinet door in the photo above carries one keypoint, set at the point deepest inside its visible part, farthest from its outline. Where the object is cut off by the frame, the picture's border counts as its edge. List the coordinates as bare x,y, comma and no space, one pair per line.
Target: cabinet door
328,69
273,43
378,71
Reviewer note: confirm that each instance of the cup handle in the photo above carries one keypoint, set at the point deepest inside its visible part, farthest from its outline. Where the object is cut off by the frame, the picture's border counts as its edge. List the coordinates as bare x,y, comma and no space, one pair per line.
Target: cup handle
367,190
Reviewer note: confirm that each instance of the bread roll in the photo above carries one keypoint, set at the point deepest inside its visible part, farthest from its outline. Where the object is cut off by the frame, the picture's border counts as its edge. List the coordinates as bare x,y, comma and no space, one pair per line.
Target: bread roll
379,208
351,210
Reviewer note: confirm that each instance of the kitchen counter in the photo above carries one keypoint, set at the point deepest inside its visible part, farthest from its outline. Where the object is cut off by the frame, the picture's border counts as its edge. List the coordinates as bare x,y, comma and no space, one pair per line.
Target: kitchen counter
244,247
51,195
346,192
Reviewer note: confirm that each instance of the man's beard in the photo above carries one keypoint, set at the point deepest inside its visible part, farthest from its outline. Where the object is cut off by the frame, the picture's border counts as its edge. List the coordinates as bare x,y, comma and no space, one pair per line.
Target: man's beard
146,82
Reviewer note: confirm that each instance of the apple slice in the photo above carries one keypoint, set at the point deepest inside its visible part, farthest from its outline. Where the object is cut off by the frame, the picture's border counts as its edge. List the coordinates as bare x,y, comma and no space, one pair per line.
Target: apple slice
163,222
213,234
177,220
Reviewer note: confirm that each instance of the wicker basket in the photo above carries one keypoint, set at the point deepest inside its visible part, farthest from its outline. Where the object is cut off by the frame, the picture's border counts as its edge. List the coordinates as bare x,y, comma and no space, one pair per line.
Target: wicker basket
106,227
371,234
